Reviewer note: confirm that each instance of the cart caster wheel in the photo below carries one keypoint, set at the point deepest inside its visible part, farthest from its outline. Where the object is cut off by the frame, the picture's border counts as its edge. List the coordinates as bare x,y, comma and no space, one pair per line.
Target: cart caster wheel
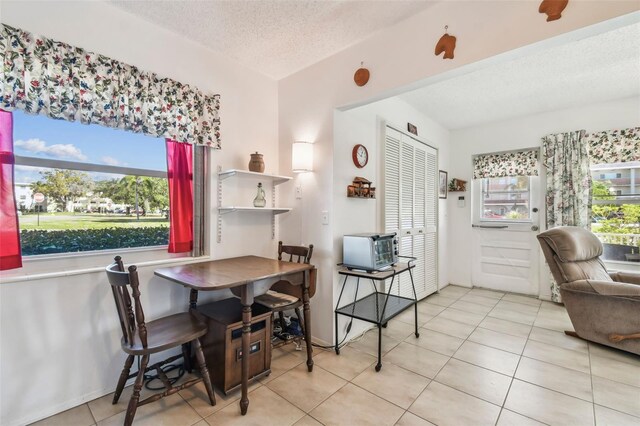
385,325
378,367
417,335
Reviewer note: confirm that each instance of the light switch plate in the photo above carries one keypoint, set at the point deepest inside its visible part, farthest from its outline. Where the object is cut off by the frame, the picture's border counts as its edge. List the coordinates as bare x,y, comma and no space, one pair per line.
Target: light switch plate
325,217
299,192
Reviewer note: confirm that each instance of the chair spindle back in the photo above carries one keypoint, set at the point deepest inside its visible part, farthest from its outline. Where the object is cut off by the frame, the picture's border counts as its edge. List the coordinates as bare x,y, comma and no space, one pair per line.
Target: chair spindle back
130,316
302,254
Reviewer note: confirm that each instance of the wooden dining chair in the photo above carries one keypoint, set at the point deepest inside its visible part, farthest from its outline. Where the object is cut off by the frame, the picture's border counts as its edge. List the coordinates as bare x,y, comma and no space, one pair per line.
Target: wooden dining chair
284,295
140,338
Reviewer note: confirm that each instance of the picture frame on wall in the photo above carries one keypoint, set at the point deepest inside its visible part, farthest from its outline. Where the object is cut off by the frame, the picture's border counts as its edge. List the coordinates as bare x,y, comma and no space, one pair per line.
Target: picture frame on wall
442,184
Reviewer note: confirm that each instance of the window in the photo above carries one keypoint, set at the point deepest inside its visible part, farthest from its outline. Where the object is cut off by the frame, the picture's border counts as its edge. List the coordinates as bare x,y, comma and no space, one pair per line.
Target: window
505,199
103,188
616,209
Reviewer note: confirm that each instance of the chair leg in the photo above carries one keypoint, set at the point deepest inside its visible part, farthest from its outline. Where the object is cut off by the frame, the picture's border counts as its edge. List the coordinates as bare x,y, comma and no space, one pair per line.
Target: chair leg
123,379
186,354
299,315
137,386
204,370
282,323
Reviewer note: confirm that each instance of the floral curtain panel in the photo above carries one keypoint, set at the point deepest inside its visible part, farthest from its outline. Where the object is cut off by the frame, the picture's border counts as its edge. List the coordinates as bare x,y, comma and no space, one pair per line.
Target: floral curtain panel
518,163
568,195
614,146
42,76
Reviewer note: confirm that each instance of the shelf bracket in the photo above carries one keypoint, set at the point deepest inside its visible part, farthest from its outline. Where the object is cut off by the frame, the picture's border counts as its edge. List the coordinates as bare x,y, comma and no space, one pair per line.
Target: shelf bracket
273,216
220,179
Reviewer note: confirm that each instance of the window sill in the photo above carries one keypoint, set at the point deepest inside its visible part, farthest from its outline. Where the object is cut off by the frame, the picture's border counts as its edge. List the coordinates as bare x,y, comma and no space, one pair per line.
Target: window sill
59,265
621,265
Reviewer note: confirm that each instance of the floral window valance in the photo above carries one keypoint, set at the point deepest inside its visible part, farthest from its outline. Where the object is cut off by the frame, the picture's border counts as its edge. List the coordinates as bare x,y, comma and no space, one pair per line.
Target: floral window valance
614,146
515,163
43,76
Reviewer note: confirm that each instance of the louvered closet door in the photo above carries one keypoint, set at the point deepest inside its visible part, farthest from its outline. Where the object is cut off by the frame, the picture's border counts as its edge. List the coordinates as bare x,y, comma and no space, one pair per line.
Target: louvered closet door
410,199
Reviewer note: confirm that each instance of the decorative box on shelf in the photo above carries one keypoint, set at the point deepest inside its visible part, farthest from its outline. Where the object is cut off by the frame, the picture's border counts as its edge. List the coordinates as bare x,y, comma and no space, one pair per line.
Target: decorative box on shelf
361,188
457,185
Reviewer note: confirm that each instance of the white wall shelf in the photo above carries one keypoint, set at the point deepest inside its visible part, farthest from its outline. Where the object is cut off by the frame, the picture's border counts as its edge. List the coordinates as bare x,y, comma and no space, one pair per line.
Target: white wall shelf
277,180
274,210
265,177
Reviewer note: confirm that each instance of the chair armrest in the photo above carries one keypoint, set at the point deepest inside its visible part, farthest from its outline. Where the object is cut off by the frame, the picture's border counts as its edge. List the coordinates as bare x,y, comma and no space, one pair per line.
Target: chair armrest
625,277
604,288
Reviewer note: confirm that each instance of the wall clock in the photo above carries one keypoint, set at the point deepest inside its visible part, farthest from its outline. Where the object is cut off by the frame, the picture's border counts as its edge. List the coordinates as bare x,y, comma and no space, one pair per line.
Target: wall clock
360,156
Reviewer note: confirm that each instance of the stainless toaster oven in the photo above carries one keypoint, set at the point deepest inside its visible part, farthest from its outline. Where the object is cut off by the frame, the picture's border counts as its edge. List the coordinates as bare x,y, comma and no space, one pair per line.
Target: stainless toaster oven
370,251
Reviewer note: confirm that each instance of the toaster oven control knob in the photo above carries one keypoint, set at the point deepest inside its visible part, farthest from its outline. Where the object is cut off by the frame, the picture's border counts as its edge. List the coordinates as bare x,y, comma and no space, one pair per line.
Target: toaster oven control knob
395,252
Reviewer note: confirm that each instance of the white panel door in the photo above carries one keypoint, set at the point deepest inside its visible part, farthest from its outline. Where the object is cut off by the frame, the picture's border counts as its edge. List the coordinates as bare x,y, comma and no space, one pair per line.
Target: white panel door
506,252
410,204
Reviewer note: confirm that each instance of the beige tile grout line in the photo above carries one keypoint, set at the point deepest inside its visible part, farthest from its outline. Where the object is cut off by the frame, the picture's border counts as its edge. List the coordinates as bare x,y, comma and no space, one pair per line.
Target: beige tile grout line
451,356
519,355
516,370
464,340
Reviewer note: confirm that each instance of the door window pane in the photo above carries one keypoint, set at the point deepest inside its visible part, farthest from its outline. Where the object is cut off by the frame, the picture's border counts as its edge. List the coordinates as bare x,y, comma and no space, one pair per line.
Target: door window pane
506,199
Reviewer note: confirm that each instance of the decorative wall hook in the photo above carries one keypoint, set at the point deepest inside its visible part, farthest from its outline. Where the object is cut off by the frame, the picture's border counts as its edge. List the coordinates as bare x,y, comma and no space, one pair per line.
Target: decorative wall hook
553,8
446,44
361,77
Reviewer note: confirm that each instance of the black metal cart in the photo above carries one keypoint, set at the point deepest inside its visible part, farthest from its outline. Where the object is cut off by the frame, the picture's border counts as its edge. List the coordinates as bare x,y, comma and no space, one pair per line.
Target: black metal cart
378,307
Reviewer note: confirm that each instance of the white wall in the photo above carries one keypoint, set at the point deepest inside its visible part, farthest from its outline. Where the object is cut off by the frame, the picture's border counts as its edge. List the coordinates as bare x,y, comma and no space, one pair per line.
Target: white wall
59,337
524,132
352,215
399,57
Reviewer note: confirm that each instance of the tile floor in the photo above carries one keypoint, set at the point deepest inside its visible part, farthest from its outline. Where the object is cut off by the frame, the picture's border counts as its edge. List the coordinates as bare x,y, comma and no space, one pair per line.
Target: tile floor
483,357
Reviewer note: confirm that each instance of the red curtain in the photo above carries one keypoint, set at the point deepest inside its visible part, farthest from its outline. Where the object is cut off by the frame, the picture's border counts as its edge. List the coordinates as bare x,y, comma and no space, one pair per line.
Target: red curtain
10,252
180,175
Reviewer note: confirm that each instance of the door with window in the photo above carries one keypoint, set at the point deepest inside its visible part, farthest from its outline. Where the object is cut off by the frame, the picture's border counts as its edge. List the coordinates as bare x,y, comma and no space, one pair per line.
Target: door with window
505,224
410,208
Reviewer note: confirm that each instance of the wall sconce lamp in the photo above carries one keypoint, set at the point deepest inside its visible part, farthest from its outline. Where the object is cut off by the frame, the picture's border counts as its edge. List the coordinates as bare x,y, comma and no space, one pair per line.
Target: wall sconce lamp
302,157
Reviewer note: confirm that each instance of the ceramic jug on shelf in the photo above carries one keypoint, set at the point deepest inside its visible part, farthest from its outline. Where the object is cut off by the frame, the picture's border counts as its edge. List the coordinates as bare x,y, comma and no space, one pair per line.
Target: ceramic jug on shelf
259,201
256,164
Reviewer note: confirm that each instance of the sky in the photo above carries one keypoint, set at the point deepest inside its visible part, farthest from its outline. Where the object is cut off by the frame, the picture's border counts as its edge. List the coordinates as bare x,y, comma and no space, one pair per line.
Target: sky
43,137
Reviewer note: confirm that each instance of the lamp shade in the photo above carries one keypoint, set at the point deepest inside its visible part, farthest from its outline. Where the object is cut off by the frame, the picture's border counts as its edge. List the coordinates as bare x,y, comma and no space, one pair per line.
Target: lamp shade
302,157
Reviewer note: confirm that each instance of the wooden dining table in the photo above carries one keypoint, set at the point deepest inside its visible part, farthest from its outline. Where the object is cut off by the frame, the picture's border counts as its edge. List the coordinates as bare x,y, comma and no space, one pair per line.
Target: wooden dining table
240,274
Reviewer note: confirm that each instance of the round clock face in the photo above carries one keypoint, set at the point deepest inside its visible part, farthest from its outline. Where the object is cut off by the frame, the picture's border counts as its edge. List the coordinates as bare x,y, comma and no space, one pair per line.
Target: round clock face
360,156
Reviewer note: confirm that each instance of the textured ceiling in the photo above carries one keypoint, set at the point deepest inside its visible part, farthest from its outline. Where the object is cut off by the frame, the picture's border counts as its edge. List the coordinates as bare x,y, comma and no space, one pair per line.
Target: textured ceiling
591,70
275,37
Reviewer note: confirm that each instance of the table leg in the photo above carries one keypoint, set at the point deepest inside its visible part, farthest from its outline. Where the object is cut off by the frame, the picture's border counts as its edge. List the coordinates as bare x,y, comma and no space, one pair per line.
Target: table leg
337,347
307,321
379,365
193,299
186,348
416,320
246,299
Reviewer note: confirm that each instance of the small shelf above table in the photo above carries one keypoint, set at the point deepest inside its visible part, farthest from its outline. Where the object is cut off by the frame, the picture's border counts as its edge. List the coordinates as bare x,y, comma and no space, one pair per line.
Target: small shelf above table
274,210
276,179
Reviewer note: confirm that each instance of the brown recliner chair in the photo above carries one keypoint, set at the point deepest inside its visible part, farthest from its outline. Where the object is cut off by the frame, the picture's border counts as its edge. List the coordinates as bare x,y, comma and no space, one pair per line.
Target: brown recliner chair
604,307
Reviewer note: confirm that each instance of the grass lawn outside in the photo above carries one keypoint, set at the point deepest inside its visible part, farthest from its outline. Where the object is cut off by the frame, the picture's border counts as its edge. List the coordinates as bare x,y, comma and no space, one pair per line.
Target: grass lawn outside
61,221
